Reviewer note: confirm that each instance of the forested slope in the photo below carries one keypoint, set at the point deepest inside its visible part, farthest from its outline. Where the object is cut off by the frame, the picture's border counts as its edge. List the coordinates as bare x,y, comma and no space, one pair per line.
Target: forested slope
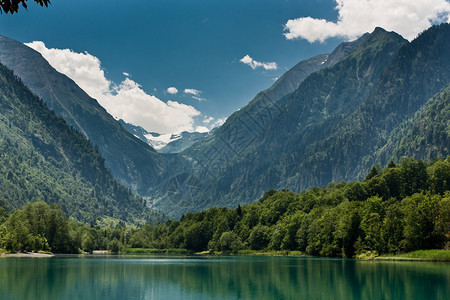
44,159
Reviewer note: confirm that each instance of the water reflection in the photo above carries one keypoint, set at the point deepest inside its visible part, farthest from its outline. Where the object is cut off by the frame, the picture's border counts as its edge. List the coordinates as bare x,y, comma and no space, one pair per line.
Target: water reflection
220,278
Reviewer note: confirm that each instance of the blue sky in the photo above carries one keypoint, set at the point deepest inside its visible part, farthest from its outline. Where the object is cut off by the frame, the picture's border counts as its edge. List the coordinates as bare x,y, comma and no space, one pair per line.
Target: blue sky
196,46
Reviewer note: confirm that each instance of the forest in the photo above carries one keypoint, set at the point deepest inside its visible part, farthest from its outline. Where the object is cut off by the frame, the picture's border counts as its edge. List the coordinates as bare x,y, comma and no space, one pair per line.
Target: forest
401,208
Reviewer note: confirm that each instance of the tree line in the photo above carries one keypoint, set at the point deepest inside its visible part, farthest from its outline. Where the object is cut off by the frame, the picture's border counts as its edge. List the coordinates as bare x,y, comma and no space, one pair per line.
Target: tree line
401,208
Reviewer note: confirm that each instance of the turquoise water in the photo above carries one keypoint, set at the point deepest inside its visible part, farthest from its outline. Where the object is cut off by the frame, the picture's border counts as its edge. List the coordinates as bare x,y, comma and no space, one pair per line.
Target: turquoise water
178,277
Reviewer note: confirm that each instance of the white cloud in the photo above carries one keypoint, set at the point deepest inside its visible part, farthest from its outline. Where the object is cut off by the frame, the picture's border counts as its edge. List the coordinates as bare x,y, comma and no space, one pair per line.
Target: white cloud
172,90
202,129
212,123
208,120
192,92
127,100
356,17
256,64
195,94
83,68
217,122
198,98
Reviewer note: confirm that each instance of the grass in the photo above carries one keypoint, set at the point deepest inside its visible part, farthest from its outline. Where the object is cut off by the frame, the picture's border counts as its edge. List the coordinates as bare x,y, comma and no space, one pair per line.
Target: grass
154,251
425,255
422,255
367,255
271,253
185,251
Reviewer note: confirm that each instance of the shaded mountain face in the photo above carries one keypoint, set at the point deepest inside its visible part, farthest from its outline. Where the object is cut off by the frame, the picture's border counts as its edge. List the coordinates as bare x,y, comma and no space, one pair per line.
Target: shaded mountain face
425,135
333,126
43,159
291,80
132,162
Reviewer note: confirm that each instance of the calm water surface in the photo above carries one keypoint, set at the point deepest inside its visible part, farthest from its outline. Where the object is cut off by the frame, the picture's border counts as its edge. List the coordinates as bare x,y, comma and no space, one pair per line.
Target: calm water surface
177,277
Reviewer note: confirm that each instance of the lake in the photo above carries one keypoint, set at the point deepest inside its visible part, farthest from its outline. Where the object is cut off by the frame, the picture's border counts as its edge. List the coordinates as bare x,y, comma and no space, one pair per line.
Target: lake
226,277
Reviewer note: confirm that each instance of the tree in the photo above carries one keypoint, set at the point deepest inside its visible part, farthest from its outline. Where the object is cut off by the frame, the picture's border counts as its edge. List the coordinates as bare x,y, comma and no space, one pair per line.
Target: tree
415,176
115,246
377,186
375,171
12,6
347,228
440,176
422,230
229,241
259,237
197,236
394,181
371,223
18,237
355,191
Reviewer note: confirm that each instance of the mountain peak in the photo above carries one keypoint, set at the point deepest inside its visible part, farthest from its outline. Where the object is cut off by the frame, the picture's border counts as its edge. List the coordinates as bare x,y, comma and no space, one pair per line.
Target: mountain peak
378,29
381,33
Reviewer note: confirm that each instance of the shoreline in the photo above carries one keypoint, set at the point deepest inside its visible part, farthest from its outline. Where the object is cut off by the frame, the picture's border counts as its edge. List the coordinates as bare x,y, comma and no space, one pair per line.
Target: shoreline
393,258
28,254
243,253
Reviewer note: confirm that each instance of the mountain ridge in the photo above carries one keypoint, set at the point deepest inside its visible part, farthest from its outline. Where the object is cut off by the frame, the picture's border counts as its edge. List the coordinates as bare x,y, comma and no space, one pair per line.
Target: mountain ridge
132,162
42,158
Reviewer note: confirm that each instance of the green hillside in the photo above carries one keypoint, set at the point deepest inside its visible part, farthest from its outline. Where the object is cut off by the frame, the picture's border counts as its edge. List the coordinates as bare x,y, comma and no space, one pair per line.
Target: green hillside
43,159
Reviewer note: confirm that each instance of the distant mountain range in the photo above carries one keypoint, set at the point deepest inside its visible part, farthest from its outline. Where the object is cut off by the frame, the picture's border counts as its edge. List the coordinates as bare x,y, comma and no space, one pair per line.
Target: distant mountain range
329,118
165,143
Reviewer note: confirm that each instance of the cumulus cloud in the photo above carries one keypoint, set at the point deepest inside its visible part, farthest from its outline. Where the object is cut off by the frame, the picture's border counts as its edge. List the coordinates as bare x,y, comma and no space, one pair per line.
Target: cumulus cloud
83,68
213,123
356,17
172,90
198,98
195,94
192,92
127,100
256,64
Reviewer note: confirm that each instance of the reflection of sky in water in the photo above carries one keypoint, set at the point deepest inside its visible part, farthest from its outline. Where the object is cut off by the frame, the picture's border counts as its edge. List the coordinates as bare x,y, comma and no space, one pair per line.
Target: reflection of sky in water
206,277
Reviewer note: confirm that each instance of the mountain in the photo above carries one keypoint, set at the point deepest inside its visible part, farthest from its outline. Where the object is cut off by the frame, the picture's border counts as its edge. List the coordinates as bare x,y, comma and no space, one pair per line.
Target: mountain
165,143
335,125
42,158
132,162
186,173
329,118
182,141
290,80
426,134
151,138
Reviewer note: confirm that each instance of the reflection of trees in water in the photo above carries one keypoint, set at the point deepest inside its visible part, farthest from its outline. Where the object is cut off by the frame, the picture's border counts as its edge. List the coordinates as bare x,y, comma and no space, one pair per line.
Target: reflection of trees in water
222,277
